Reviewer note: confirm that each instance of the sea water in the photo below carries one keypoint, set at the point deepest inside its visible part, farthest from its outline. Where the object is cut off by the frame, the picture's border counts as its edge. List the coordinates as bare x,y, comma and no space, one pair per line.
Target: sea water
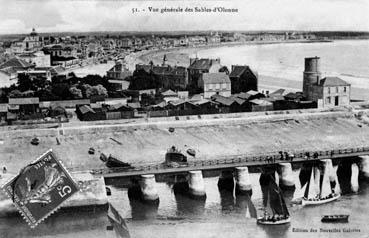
222,214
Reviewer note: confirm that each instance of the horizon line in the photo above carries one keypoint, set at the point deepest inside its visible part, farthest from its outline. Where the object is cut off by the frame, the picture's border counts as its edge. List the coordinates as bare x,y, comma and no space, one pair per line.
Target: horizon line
187,31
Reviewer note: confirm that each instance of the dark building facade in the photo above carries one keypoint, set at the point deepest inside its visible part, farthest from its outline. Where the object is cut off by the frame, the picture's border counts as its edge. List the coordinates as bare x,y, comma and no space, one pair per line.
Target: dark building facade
199,66
243,79
167,77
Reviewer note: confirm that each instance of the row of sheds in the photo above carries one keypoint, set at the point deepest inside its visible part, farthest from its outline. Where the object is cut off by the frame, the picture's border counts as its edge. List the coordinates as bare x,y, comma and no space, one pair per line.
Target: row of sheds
97,111
250,101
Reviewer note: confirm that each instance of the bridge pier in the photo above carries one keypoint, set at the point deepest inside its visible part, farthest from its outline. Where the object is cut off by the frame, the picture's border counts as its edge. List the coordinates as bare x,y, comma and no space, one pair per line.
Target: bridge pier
148,188
243,183
196,184
286,176
364,166
226,181
354,177
336,187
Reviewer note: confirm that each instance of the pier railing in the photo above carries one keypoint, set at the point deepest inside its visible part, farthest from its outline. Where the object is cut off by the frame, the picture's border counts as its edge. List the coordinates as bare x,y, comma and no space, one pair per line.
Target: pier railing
232,161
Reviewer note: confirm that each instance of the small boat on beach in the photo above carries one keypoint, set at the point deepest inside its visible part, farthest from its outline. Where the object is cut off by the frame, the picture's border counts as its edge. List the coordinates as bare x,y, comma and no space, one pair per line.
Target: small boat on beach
35,141
314,195
275,209
335,218
175,155
112,162
91,151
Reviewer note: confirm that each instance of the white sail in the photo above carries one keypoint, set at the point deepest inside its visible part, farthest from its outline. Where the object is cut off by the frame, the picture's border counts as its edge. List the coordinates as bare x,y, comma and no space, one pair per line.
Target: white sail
312,190
326,186
317,180
276,177
248,215
299,193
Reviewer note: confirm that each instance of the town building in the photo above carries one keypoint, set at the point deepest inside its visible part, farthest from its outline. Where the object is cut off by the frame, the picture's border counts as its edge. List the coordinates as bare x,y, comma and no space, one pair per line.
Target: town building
215,83
326,92
199,66
37,73
26,105
167,77
118,75
10,68
39,58
32,42
334,92
65,56
243,79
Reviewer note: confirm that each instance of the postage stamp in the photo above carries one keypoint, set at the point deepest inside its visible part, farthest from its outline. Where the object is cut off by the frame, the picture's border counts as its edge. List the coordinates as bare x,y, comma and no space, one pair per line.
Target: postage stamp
40,188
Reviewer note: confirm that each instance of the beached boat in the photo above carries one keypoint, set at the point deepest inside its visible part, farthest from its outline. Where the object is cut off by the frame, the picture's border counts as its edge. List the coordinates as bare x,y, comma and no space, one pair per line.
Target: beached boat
175,155
275,209
112,162
91,151
335,218
35,141
314,195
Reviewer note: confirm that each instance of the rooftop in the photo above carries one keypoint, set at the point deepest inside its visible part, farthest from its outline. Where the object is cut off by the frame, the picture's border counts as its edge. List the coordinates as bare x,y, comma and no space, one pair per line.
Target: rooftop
261,102
222,100
24,101
85,109
333,81
210,78
238,70
202,64
15,62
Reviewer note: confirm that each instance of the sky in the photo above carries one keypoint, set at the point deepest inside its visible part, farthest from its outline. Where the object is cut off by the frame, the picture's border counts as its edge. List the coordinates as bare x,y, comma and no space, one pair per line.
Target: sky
20,16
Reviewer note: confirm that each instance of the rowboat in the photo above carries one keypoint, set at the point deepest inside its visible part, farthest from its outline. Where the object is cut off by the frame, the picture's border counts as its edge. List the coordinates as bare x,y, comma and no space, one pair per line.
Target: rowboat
335,218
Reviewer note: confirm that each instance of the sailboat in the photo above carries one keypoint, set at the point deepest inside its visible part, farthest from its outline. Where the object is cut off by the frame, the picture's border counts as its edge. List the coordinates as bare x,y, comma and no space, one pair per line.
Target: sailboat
118,223
298,195
314,195
275,209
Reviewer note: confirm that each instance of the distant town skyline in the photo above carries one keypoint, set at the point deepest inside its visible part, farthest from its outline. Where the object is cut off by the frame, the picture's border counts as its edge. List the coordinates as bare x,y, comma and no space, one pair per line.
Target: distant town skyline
84,16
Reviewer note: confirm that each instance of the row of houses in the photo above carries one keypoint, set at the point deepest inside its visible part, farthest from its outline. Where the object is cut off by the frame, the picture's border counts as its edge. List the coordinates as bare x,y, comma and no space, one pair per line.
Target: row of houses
205,75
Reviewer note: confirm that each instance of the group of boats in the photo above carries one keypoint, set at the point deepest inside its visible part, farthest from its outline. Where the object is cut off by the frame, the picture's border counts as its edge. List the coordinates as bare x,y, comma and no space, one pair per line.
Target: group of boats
315,192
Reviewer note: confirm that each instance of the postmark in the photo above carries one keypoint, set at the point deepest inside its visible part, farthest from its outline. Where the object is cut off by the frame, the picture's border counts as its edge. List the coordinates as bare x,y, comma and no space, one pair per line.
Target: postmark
40,188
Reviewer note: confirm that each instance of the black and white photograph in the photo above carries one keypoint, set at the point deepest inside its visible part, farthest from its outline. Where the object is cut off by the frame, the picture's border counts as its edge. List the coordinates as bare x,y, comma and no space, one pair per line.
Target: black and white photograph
184,118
